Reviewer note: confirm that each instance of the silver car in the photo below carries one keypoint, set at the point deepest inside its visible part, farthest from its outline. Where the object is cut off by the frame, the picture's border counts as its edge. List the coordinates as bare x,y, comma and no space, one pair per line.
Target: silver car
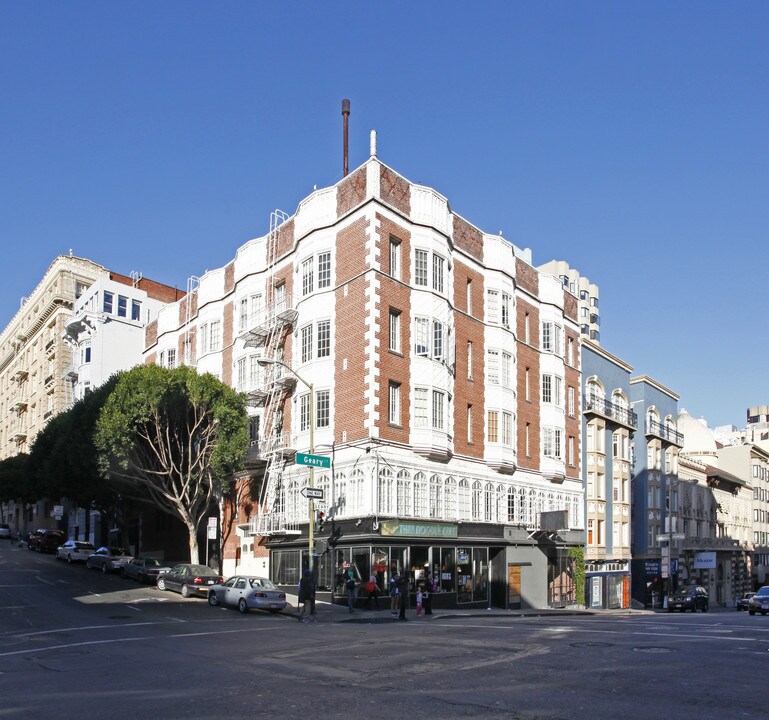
247,592
108,559
760,601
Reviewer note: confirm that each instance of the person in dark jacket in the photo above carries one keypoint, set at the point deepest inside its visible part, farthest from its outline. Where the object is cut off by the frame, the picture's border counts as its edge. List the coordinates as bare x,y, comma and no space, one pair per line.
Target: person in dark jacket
403,591
306,596
427,593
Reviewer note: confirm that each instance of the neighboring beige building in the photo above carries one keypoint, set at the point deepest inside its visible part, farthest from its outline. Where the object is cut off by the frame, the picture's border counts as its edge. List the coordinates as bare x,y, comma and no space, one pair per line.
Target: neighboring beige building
586,292
34,356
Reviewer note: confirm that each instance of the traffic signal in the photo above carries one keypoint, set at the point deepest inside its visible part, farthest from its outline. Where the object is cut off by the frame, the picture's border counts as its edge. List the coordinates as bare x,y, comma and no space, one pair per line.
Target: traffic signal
321,520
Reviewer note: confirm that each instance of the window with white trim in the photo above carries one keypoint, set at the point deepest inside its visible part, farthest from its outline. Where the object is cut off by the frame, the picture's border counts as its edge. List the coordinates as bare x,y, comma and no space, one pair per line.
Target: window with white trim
304,412
322,409
422,336
395,258
492,367
308,276
242,375
507,429
216,335
492,307
395,330
420,268
421,419
469,423
203,339
507,364
469,360
551,442
505,310
571,402
171,358
439,410
439,273
306,343
324,270
492,426
324,338
243,316
394,408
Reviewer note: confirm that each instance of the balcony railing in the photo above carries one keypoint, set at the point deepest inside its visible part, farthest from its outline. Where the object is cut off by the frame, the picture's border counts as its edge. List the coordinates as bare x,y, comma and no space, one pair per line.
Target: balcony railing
623,415
664,432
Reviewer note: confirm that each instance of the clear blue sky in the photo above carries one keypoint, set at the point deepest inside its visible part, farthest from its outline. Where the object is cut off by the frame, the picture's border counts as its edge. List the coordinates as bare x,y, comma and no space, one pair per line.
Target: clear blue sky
630,139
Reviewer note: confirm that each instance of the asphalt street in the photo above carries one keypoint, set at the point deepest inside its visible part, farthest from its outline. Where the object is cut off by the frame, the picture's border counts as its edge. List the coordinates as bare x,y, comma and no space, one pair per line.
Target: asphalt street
77,644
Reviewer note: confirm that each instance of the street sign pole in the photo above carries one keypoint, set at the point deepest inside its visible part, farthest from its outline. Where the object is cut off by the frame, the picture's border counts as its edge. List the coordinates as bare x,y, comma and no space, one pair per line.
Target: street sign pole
311,526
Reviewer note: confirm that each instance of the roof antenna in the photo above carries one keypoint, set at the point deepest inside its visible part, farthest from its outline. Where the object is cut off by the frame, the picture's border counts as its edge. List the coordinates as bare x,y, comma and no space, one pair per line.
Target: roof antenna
345,115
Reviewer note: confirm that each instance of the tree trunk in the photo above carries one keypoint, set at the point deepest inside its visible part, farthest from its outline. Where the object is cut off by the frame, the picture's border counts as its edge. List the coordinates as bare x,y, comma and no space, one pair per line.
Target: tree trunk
194,552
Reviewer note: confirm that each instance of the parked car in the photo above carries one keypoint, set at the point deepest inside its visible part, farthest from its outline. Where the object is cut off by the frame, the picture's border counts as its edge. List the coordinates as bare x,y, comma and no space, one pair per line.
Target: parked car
742,603
5,531
74,551
189,579
108,559
145,570
46,540
690,597
246,592
760,601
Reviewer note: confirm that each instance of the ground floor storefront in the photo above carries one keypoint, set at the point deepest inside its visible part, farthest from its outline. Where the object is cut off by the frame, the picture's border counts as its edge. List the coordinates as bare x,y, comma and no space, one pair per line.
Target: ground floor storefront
468,565
607,585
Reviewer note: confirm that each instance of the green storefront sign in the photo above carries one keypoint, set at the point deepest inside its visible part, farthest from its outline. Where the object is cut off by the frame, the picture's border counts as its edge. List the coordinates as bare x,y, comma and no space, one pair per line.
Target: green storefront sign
398,528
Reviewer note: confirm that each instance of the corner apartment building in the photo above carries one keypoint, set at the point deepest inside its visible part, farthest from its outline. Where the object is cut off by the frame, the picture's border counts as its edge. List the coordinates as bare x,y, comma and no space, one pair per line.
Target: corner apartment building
655,491
608,426
587,293
429,364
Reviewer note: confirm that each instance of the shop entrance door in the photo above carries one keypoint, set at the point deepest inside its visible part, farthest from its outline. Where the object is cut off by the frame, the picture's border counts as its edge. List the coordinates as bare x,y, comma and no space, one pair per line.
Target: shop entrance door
513,587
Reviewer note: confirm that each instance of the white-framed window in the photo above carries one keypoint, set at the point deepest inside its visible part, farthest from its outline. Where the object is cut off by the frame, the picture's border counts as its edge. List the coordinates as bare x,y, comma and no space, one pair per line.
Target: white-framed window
470,423
324,338
394,408
507,429
253,370
547,388
215,335
551,337
492,367
492,426
242,374
469,297
420,267
255,301
306,343
439,409
571,402
122,306
395,258
527,389
203,338
571,451
469,359
527,329
422,336
308,276
492,307
304,412
243,316
439,340
324,270
505,310
171,357
439,273
395,330
322,409
107,305
507,365
421,418
136,310
526,439
551,442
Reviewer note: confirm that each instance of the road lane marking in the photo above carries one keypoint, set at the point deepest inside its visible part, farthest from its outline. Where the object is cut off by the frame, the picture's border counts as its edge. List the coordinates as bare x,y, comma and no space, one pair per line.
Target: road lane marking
90,627
34,651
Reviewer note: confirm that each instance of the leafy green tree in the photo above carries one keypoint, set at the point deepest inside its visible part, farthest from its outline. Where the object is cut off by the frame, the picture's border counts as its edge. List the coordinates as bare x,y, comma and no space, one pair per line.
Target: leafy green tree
14,479
175,437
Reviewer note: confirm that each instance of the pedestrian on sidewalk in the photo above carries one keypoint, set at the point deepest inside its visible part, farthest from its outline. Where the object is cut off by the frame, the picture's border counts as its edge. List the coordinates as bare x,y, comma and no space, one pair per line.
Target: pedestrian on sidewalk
394,598
352,592
403,591
373,592
306,595
427,593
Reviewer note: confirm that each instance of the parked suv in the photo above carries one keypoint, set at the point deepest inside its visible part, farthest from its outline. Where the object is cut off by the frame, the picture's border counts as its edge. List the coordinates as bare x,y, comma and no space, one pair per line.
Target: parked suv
690,597
760,601
46,540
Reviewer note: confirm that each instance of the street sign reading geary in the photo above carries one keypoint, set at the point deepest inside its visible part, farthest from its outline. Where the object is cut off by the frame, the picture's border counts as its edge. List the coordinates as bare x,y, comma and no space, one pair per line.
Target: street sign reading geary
313,460
312,493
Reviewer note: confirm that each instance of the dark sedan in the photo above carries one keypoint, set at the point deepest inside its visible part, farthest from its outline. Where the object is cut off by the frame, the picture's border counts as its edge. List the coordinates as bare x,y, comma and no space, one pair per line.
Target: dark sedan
690,597
143,569
743,602
189,580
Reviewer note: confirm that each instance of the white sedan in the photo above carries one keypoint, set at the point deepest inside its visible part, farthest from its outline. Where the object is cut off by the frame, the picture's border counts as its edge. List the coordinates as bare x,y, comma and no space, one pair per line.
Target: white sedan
247,592
74,551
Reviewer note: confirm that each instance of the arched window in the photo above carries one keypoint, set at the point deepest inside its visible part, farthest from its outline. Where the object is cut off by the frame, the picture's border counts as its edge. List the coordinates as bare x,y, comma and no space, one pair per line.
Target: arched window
450,499
488,495
385,491
476,501
594,389
420,495
463,500
436,496
405,494
355,505
340,495
574,516
521,507
500,504
286,501
531,512
512,505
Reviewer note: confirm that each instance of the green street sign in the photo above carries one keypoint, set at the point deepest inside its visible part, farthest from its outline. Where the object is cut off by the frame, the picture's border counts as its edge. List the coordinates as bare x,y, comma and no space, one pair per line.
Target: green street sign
317,461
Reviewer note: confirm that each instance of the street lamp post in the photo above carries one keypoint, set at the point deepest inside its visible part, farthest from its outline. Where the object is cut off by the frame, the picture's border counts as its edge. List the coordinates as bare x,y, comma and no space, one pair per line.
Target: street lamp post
311,528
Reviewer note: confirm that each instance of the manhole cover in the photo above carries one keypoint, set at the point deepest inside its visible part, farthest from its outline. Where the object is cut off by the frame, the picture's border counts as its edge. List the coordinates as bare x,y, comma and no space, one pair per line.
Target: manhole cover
592,644
654,649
